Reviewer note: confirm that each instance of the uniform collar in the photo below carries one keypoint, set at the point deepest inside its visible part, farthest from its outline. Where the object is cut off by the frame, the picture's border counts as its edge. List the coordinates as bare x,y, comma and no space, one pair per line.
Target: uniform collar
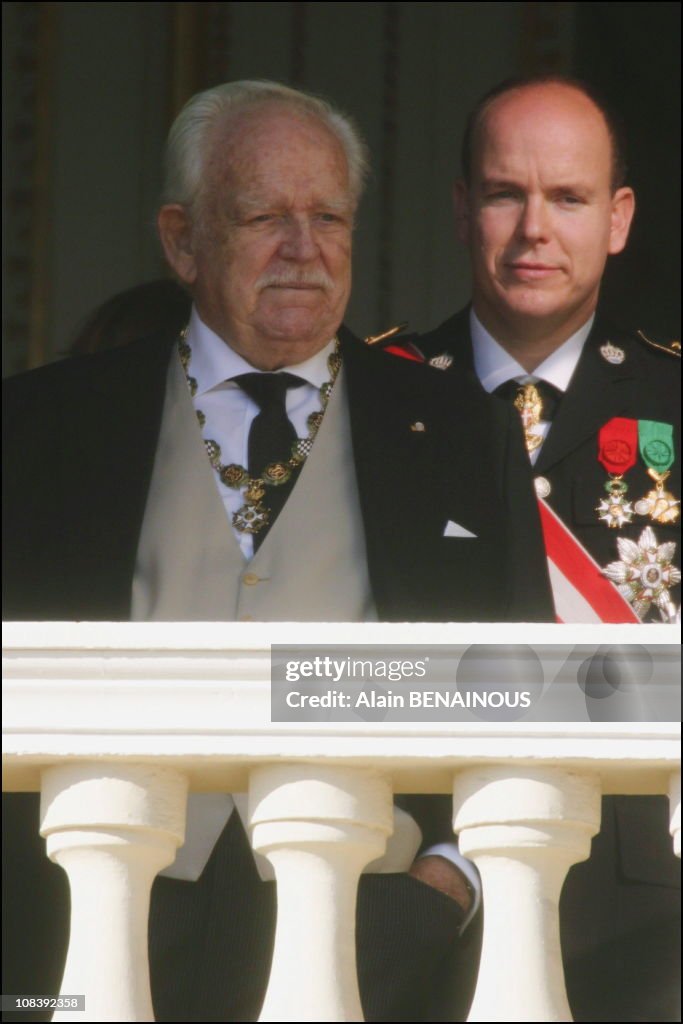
494,365
214,362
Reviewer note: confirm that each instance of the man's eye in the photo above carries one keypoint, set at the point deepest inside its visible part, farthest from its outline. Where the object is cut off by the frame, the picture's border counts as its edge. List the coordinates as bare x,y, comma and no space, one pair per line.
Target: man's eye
501,195
569,199
262,218
329,218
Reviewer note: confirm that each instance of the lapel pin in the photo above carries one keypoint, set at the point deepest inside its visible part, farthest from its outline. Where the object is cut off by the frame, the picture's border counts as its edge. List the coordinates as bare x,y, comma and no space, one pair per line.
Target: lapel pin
418,427
442,361
612,354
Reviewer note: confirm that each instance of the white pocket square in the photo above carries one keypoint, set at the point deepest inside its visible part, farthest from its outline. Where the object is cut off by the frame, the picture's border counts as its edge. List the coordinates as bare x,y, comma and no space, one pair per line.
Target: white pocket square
455,530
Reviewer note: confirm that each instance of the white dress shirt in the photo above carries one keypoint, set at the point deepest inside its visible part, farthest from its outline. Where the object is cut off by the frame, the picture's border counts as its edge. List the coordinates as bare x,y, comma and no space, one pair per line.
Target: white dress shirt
494,365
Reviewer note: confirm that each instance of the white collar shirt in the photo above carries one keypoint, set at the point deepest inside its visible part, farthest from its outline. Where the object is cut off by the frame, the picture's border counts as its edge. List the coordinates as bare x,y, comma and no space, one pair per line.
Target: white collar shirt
495,366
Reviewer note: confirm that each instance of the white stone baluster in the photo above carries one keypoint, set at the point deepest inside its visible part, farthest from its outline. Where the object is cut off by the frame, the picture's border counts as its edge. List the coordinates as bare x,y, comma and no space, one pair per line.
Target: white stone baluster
112,827
675,811
319,826
524,828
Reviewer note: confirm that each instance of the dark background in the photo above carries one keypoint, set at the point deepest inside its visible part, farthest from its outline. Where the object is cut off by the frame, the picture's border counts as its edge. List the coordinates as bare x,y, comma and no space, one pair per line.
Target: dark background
90,90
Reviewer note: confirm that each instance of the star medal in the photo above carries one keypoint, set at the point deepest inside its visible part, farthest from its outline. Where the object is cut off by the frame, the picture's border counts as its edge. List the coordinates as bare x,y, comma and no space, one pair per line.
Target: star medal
645,574
657,449
617,447
530,406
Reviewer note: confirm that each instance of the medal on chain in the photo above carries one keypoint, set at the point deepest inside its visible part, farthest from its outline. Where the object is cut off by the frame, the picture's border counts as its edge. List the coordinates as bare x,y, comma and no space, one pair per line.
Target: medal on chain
254,515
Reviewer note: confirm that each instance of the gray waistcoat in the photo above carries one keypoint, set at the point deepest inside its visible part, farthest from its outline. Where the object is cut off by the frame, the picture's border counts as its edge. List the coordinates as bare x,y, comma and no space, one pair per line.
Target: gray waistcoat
310,567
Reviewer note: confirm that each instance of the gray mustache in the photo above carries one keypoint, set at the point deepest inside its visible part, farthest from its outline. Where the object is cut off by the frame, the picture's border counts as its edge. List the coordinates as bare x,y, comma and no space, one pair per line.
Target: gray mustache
294,280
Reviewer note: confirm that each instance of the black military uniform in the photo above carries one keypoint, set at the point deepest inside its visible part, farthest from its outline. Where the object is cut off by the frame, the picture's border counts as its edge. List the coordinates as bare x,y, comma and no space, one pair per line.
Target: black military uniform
643,385
620,910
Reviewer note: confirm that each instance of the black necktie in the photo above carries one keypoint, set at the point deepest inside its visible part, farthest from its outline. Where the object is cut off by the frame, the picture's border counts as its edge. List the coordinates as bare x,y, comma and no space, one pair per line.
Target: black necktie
550,395
271,435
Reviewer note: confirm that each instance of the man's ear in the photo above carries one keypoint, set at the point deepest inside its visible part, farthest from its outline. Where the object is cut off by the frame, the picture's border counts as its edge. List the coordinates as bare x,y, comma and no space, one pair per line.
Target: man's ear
461,205
175,232
623,208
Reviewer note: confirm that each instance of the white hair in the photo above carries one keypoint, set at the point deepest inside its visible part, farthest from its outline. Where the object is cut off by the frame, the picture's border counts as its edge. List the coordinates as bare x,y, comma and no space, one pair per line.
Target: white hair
186,146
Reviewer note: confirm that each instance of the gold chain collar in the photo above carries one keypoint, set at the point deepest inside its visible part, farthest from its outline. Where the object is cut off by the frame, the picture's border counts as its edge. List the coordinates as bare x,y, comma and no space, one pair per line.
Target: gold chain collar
254,515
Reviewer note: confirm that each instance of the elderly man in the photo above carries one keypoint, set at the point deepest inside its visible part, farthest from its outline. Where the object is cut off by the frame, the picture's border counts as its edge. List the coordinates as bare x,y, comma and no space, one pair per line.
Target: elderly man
542,204
261,190
265,465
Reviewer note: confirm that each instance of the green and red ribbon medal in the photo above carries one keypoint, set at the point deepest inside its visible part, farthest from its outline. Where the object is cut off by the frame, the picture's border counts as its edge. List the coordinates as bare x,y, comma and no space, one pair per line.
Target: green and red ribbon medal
644,575
657,450
617,452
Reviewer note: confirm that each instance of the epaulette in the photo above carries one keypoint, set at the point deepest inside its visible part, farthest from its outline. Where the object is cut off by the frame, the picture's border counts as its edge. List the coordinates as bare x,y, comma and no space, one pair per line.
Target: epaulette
383,338
404,346
672,348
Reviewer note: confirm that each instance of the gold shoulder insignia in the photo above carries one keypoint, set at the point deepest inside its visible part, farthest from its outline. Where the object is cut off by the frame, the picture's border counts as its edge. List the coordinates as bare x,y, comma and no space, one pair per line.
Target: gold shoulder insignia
375,339
672,348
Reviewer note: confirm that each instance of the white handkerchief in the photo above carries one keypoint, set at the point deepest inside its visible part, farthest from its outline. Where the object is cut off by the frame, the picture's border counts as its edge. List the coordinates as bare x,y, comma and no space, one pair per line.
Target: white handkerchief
455,530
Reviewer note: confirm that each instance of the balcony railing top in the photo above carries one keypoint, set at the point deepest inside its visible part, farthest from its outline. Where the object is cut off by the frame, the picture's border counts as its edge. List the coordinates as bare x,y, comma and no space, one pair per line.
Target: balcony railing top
113,721
197,696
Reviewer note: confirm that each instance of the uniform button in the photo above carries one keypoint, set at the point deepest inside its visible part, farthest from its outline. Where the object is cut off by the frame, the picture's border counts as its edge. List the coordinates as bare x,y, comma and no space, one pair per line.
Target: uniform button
542,486
246,618
251,579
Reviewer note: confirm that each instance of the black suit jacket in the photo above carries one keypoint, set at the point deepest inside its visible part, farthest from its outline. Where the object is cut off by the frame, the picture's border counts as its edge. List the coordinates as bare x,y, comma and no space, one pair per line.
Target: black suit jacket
80,440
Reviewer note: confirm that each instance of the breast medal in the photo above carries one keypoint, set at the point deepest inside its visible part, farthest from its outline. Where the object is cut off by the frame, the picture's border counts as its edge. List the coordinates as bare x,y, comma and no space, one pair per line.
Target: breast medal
645,574
617,448
657,450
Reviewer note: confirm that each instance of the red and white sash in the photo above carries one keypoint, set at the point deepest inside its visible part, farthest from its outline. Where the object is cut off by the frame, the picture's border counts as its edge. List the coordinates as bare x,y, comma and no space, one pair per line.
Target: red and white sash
580,591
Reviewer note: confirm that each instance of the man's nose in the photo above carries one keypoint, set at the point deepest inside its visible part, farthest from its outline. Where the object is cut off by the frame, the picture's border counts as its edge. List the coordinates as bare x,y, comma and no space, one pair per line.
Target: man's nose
299,241
534,222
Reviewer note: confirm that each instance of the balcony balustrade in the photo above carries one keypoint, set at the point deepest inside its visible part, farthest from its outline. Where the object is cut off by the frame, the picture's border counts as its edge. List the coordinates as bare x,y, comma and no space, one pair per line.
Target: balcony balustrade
115,723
